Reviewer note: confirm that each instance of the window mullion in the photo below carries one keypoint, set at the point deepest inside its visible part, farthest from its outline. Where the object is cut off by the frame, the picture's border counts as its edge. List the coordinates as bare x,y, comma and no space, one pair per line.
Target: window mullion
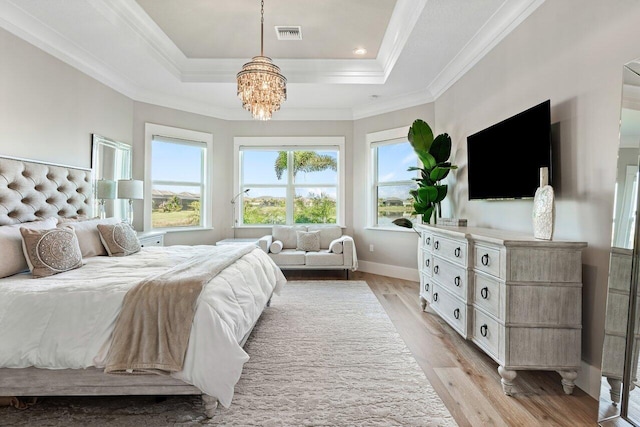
290,188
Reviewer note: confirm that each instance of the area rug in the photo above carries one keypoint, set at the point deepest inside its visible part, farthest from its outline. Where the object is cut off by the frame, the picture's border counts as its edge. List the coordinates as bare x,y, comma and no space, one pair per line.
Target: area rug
324,354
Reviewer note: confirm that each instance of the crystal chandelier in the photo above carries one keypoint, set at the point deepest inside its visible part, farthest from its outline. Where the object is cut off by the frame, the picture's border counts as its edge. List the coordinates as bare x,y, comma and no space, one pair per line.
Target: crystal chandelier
261,87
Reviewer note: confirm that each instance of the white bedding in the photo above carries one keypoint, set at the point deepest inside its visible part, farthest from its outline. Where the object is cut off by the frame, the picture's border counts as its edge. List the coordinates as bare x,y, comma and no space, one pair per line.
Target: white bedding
66,320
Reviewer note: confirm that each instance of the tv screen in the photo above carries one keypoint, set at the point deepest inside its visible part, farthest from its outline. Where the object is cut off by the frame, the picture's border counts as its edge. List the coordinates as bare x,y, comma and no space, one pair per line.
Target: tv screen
504,160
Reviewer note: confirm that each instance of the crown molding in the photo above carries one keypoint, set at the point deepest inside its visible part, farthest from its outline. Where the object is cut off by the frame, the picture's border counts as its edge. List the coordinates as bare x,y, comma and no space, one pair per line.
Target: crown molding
506,19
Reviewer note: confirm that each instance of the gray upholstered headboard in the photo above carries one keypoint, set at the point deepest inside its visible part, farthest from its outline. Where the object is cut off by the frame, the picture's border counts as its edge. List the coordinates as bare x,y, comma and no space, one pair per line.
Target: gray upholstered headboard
31,190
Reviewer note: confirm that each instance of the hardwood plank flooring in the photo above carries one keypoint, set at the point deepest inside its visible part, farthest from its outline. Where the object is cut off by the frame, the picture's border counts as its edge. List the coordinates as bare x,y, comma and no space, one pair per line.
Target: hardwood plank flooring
464,377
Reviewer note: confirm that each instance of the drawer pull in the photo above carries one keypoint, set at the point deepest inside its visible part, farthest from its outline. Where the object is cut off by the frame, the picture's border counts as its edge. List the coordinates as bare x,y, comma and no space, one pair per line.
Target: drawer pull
428,242
427,262
456,313
483,330
484,292
436,244
456,280
426,287
485,259
456,252
436,268
435,297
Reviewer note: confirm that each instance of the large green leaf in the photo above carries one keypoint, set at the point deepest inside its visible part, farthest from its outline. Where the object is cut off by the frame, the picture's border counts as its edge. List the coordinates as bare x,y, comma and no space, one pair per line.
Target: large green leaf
420,136
427,160
438,173
427,214
441,191
428,194
403,222
441,148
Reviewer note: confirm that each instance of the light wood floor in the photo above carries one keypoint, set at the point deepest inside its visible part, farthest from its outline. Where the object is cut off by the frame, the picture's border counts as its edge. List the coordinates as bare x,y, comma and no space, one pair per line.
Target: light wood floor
465,378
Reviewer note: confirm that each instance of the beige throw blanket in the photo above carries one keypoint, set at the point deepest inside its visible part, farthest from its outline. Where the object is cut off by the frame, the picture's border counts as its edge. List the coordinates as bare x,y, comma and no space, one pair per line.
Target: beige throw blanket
152,331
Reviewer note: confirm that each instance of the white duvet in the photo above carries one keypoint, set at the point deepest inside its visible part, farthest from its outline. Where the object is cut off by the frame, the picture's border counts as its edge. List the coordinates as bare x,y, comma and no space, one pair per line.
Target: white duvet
65,321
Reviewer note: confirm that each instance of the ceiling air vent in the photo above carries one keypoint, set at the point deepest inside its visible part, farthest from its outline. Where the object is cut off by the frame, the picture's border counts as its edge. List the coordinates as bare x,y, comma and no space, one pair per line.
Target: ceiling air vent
289,32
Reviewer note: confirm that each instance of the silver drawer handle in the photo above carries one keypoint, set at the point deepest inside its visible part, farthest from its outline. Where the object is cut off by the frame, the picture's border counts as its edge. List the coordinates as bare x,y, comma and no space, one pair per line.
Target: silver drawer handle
484,292
436,244
485,259
483,330
456,281
456,252
436,268
456,313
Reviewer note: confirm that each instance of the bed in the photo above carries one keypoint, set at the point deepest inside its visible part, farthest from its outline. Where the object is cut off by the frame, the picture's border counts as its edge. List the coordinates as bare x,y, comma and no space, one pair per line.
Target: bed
56,331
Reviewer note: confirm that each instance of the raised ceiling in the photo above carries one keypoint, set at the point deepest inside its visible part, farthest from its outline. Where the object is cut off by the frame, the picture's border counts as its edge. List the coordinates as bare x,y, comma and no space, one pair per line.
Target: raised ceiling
185,54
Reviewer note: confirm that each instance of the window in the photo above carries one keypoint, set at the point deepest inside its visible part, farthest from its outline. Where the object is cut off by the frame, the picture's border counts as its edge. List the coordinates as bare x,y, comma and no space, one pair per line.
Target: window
290,180
391,156
176,182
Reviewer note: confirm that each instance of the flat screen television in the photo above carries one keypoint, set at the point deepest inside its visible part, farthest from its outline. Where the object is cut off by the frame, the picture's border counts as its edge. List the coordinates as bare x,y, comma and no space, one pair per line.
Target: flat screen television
504,160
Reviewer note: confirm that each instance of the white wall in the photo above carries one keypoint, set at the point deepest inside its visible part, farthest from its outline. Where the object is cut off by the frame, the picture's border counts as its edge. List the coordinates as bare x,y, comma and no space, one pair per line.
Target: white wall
48,110
571,52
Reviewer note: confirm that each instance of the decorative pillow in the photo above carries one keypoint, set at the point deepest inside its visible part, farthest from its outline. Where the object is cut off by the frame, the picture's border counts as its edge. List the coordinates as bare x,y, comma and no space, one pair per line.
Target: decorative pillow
328,233
275,247
308,241
88,235
12,260
50,252
336,246
119,239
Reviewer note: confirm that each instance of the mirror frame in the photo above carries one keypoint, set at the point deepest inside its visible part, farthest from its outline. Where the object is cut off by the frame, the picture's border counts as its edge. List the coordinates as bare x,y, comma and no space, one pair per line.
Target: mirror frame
121,169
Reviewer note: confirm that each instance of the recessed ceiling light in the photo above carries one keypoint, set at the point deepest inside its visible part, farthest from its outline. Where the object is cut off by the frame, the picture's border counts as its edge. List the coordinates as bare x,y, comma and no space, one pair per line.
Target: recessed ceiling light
360,51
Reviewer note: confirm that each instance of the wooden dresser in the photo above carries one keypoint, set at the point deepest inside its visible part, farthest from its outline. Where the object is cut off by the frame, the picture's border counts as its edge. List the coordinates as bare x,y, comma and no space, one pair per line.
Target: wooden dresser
517,298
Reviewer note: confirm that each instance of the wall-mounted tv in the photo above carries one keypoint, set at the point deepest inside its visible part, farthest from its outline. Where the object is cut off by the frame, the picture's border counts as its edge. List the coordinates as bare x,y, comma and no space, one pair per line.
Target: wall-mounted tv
504,160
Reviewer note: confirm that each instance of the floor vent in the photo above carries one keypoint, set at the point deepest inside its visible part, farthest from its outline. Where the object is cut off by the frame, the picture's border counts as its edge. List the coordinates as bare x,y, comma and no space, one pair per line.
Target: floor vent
289,32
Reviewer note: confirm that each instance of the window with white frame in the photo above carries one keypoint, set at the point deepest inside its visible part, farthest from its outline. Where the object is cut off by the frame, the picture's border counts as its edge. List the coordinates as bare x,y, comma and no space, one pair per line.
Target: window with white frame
176,183
290,180
391,156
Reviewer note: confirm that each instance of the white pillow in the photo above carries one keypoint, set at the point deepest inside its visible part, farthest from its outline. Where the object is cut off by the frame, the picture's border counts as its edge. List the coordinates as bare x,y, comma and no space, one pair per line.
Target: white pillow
308,241
275,247
12,260
89,236
336,246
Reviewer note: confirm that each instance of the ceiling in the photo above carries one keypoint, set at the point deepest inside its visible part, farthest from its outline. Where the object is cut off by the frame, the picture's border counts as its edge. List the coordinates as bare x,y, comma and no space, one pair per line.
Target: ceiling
185,54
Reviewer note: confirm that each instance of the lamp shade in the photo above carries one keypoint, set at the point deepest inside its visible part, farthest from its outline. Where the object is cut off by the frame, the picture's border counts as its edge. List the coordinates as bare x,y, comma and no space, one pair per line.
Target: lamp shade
106,189
130,189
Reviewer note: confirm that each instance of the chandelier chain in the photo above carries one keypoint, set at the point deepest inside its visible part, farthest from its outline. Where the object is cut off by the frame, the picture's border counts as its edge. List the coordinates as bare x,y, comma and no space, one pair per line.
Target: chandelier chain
261,27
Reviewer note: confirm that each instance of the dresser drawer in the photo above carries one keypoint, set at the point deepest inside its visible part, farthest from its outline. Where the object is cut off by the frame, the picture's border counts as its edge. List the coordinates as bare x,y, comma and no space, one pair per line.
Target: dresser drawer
450,276
486,294
453,310
426,287
450,249
487,333
487,259
427,263
151,240
427,240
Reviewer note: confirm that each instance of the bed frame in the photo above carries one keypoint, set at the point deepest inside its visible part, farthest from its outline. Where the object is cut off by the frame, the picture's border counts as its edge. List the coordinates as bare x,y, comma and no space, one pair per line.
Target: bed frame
32,190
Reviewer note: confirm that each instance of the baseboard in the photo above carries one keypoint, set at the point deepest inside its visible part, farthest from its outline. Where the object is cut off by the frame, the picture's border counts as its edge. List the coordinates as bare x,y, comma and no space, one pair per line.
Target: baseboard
389,270
589,379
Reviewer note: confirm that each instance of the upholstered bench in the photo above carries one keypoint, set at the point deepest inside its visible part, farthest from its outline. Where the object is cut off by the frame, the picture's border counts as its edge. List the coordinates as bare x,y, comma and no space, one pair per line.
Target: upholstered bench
310,247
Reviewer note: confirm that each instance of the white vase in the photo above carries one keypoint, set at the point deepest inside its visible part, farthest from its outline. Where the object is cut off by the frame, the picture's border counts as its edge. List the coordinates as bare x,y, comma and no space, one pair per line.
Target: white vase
543,211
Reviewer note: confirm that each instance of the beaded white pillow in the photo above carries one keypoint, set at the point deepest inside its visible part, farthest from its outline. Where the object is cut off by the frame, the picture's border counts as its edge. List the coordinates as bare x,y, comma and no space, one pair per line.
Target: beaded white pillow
308,241
119,239
52,251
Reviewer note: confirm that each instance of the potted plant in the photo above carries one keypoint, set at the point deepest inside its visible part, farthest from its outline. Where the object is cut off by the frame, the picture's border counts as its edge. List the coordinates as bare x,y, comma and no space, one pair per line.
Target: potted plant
434,155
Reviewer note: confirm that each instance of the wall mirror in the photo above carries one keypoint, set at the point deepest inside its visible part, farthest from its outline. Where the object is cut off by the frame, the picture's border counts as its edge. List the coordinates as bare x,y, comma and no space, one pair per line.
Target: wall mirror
619,394
110,161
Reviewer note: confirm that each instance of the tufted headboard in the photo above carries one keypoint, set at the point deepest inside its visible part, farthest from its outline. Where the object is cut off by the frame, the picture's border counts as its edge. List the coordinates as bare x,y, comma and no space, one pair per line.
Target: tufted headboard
31,190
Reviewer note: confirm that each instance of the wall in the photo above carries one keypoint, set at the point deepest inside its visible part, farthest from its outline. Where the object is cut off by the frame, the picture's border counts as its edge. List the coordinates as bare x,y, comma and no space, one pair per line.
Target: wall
571,52
394,251
223,168
48,110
